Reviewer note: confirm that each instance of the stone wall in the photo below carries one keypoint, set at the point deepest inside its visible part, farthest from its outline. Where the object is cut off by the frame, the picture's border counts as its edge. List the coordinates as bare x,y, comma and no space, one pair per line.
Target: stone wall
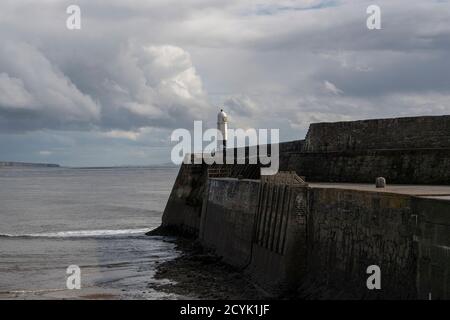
413,150
320,241
432,218
291,146
228,217
324,239
396,133
350,230
316,241
278,261
259,226
183,209
416,166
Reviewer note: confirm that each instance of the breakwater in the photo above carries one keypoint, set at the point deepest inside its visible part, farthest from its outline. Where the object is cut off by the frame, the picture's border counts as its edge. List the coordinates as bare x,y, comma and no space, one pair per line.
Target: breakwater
297,233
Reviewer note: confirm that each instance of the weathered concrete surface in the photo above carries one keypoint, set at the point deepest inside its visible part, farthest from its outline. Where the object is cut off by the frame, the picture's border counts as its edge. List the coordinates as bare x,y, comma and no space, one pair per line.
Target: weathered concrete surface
349,230
278,261
413,190
320,239
411,166
259,226
183,209
327,236
433,238
403,150
395,133
228,219
413,150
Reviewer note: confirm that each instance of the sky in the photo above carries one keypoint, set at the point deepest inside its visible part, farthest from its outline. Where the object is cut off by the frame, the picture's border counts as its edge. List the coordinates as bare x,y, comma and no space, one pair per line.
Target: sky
112,92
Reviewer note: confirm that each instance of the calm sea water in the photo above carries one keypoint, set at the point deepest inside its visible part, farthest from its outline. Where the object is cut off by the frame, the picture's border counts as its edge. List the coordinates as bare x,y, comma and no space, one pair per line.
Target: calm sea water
51,218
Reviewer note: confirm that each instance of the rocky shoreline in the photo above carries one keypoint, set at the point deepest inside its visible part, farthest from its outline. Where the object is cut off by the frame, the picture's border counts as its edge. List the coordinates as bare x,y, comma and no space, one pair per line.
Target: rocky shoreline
198,274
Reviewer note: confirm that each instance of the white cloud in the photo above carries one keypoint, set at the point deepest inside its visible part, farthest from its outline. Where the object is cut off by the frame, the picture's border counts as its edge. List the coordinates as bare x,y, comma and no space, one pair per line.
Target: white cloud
330,87
49,93
163,63
159,83
13,94
120,134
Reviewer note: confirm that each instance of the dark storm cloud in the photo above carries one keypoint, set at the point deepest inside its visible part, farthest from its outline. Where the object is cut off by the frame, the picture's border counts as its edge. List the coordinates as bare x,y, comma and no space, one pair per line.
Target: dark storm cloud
139,66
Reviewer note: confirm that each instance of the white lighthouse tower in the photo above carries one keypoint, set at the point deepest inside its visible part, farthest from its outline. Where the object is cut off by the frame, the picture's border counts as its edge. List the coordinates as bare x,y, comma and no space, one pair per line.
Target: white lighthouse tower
222,126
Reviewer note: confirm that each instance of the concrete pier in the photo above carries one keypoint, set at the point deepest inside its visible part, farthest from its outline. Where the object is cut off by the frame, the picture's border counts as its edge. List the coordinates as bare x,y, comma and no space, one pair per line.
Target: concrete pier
313,229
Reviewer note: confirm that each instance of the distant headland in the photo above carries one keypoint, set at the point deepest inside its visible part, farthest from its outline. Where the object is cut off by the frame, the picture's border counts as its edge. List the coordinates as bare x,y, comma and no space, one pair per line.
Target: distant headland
26,164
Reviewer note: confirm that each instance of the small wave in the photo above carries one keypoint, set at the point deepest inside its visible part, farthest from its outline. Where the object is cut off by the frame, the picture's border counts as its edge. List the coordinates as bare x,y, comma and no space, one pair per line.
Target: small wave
77,234
31,291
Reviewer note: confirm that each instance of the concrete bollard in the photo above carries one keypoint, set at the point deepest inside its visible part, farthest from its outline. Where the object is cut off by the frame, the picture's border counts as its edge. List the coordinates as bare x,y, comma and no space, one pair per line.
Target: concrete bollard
380,182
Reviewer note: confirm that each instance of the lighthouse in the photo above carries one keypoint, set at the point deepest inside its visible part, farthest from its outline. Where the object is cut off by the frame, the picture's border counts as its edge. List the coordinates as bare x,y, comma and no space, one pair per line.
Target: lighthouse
222,126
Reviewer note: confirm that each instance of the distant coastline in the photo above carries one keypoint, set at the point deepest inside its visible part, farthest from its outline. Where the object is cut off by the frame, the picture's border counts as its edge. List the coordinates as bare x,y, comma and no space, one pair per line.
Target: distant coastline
155,166
26,164
53,165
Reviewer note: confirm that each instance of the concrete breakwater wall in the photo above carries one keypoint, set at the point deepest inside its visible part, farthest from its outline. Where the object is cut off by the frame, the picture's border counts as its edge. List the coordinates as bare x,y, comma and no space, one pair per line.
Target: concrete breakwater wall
414,150
414,166
394,133
318,242
256,225
230,212
433,241
183,209
350,230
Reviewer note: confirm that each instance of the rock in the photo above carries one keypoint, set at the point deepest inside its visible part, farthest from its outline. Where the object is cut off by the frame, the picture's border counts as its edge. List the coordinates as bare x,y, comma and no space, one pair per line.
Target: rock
380,182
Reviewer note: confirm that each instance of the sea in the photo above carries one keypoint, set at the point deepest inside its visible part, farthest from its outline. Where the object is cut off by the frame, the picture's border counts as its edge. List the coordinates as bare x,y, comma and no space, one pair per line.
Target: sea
79,233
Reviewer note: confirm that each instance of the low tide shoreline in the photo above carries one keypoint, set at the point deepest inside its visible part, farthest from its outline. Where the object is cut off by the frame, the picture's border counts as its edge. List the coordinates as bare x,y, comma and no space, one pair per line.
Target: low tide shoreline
199,274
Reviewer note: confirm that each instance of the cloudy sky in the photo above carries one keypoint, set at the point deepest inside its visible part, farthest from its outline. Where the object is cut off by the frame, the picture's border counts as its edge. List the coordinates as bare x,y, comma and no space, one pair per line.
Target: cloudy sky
112,92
